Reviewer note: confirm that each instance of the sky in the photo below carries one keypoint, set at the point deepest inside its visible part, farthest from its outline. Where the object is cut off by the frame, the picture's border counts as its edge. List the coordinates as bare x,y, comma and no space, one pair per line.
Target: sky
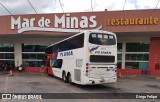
53,6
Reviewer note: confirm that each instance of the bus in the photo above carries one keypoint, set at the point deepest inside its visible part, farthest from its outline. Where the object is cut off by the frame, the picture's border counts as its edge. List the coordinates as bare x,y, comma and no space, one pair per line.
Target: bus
86,58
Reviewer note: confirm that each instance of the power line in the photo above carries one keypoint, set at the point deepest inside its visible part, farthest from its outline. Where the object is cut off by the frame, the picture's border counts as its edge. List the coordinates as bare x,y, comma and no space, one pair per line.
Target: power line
91,6
6,9
157,4
61,5
32,7
124,4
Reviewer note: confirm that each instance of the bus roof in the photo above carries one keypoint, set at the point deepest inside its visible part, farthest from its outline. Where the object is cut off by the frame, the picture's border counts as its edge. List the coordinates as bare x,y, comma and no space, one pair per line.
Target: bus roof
91,31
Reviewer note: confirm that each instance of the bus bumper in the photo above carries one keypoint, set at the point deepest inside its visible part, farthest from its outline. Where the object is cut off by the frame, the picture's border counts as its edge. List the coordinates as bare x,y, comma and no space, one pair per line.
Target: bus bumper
92,81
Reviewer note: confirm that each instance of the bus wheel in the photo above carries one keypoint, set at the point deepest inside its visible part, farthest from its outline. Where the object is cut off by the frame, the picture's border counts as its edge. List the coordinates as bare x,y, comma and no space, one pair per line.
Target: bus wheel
69,79
64,78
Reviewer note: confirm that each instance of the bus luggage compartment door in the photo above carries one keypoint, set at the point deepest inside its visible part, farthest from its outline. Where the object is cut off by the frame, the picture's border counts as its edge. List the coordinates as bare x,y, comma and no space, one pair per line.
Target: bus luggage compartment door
101,71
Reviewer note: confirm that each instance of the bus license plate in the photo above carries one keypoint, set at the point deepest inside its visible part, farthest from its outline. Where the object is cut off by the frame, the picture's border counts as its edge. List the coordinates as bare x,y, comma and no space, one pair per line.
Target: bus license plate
102,81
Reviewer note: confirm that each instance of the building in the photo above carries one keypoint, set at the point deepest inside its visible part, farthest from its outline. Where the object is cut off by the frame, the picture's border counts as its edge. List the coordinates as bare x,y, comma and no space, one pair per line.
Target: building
24,37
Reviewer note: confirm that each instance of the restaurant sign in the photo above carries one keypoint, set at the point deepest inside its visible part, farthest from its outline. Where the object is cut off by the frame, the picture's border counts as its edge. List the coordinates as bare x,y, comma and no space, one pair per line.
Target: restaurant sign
64,23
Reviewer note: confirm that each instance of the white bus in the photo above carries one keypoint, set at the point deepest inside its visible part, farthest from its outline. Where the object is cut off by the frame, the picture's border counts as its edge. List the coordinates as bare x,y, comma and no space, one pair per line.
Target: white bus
89,57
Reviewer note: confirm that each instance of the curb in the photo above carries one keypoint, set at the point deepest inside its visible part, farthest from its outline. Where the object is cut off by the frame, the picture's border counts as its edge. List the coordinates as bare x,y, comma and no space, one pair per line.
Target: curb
135,76
126,77
157,78
3,73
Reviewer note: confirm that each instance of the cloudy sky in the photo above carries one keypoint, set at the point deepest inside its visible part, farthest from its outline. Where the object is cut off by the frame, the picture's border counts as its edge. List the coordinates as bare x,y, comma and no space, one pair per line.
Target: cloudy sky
53,6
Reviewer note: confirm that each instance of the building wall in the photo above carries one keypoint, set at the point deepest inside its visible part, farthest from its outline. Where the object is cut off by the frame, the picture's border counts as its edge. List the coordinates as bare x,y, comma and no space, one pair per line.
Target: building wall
130,39
114,21
154,58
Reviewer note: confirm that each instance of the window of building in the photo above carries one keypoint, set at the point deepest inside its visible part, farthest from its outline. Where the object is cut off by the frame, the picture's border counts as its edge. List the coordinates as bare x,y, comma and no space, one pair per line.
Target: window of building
136,65
119,65
7,54
32,63
137,55
33,54
137,47
119,55
119,47
34,47
6,48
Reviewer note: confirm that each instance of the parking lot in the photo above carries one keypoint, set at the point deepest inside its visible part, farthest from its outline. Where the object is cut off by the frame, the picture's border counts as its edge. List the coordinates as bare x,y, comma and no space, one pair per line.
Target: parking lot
42,83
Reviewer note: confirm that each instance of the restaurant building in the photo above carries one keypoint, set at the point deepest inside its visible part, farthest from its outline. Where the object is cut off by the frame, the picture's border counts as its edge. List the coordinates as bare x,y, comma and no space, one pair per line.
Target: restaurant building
23,38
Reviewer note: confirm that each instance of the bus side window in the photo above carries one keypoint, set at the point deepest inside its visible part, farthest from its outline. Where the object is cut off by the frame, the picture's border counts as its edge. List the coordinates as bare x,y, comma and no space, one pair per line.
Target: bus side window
58,63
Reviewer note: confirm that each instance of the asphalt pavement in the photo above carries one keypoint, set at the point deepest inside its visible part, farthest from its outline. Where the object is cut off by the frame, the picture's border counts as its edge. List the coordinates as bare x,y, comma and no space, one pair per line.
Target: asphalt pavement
44,84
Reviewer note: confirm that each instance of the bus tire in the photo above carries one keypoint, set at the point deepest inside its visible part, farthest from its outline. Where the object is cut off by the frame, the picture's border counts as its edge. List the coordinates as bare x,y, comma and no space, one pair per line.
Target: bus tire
69,78
64,78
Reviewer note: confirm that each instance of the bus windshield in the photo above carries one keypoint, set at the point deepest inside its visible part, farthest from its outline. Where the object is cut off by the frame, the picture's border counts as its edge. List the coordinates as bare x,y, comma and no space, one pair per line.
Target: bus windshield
102,39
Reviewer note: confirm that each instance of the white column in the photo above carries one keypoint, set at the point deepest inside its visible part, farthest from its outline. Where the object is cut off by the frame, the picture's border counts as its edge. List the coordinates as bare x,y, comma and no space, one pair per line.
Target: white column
123,54
18,54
